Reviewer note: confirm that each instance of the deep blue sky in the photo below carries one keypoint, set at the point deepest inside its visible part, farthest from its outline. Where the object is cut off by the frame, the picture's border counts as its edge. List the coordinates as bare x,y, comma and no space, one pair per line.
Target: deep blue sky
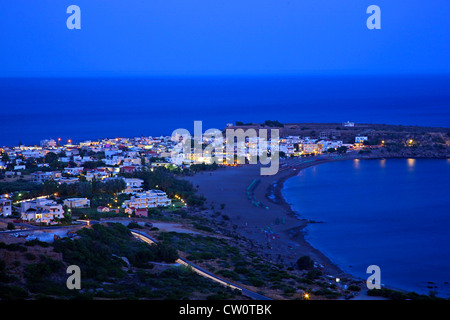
223,37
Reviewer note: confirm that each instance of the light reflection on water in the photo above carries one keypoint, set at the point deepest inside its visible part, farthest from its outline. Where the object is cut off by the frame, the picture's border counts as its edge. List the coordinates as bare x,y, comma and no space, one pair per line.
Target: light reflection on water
411,162
406,233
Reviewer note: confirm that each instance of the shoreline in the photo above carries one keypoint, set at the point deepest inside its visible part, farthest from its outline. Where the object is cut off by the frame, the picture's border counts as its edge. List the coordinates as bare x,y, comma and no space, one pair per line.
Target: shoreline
276,191
292,228
298,235
269,192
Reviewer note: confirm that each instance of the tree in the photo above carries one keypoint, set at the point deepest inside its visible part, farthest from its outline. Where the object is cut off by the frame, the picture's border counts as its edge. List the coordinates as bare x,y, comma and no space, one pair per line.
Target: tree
51,158
342,149
305,263
5,156
11,226
272,123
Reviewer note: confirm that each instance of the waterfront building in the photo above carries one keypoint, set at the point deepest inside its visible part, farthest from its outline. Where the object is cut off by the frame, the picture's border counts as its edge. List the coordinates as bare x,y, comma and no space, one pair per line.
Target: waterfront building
148,199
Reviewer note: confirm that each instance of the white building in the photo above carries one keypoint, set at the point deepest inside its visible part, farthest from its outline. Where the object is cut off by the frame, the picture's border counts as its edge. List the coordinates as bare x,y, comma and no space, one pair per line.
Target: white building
77,203
360,139
41,211
5,207
48,143
328,144
148,199
41,177
66,180
74,171
33,154
348,124
161,198
132,162
134,185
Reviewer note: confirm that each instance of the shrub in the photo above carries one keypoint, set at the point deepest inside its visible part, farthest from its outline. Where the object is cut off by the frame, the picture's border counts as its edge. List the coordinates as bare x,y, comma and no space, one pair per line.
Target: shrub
133,225
202,227
241,270
305,263
12,292
229,274
313,274
34,242
30,256
354,288
256,282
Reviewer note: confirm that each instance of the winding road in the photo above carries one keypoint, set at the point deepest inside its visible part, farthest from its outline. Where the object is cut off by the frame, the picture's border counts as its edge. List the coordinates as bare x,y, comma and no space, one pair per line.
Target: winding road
199,270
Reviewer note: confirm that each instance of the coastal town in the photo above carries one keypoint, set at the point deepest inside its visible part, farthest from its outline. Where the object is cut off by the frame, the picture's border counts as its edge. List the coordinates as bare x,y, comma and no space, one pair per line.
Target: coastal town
66,183
59,162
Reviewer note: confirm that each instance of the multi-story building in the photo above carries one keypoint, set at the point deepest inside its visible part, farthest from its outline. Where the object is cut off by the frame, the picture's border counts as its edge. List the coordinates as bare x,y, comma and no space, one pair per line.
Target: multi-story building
41,177
360,139
74,171
5,207
161,198
77,203
148,199
134,185
41,211
48,143
311,148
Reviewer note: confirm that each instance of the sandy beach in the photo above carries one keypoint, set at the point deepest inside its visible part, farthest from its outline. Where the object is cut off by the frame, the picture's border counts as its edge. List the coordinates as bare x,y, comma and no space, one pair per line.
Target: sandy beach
276,228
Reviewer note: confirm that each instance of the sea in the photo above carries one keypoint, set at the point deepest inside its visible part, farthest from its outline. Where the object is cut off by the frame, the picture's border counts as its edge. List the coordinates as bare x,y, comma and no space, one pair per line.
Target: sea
80,109
392,213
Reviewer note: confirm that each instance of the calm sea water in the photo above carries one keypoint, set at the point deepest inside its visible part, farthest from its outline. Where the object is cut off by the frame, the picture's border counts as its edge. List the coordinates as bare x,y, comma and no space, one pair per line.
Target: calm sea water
95,108
393,213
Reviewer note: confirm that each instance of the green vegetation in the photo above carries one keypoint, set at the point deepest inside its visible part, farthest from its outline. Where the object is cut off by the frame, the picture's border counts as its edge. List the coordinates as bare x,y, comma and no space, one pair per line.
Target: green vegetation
341,150
113,265
99,249
198,167
95,190
162,179
271,123
197,247
12,292
305,263
240,123
398,295
216,255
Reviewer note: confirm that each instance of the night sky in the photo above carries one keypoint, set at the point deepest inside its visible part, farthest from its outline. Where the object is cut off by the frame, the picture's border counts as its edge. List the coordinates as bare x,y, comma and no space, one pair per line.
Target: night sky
232,37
